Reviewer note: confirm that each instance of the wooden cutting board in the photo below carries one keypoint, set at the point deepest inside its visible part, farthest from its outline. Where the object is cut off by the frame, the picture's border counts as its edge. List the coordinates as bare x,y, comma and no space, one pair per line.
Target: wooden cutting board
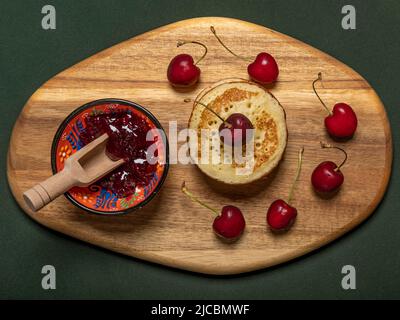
171,230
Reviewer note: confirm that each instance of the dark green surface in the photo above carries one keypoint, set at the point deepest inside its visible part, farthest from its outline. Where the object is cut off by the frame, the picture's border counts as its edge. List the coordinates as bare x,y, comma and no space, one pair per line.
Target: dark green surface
29,56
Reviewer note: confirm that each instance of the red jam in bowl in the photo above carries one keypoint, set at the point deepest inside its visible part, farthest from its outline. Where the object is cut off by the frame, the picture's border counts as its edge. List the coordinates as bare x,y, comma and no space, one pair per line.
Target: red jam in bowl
134,136
127,140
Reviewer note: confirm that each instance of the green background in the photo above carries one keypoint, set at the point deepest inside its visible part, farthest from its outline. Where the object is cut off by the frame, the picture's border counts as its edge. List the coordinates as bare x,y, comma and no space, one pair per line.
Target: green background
29,56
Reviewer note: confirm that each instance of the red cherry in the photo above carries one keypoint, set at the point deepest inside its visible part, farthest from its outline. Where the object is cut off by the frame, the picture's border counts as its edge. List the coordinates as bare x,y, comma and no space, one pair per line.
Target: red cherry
341,123
264,69
327,177
229,224
236,126
182,70
280,215
233,131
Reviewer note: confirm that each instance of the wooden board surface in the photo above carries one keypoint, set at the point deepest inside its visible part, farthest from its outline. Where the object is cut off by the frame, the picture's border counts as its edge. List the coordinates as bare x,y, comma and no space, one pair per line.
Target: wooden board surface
171,230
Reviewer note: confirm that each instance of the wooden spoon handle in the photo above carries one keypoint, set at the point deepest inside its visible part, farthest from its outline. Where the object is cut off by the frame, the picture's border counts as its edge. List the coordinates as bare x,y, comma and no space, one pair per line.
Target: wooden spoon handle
46,191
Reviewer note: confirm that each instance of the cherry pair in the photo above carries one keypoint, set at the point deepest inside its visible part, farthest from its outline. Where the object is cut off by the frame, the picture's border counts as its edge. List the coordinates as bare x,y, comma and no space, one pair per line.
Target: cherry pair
326,179
341,123
184,72
230,223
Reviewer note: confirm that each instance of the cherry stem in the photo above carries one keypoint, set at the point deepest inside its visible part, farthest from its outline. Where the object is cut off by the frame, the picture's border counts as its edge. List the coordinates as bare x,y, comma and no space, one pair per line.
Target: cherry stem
223,44
192,197
228,125
299,163
183,42
316,93
329,146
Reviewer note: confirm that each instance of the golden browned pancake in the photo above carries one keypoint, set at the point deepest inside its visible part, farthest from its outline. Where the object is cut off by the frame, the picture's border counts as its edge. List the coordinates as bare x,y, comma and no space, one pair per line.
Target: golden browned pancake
270,136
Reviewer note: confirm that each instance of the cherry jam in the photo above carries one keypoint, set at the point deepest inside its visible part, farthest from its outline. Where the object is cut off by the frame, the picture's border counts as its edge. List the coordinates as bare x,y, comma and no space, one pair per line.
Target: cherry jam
127,140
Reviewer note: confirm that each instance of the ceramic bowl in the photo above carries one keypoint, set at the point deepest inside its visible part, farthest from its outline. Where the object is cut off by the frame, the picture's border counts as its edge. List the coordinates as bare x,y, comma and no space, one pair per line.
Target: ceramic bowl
95,198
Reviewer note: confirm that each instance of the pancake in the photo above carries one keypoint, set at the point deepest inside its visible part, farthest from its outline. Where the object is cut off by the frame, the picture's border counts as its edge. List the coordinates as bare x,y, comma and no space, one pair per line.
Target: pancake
269,138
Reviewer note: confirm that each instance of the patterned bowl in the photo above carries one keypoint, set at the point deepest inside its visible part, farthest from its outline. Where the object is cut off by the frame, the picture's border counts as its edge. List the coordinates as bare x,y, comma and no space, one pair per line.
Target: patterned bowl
95,198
